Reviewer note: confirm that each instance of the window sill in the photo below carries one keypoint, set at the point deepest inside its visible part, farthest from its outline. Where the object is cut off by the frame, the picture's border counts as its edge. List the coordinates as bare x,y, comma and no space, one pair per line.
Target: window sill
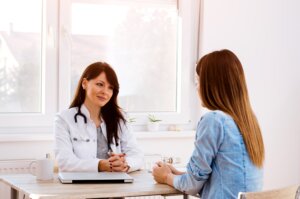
31,137
164,134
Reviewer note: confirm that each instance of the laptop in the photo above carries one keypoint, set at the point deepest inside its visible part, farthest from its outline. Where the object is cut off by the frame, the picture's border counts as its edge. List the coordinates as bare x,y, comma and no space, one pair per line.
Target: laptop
94,177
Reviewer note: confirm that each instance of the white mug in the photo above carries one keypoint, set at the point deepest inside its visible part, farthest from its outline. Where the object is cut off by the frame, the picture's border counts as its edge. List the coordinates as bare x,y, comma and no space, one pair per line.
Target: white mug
43,169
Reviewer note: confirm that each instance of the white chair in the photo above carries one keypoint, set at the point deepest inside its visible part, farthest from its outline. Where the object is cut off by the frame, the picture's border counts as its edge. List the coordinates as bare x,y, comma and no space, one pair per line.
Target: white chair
291,192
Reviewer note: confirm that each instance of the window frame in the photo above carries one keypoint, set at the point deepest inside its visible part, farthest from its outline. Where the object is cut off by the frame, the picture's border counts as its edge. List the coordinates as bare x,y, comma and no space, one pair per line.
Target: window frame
56,67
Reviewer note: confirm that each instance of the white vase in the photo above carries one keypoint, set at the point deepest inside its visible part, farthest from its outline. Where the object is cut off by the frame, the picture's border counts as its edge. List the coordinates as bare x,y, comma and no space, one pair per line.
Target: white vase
153,126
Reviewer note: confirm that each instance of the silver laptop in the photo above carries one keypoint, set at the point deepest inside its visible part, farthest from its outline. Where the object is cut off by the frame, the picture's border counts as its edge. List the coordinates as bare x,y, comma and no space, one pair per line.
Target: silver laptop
94,177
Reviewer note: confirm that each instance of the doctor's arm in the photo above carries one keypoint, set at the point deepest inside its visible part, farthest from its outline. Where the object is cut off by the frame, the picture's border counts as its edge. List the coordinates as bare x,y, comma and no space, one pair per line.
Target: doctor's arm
66,159
134,155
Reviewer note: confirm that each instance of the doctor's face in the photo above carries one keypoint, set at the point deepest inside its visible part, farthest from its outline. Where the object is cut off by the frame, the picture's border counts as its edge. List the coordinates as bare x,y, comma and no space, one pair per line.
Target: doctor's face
98,91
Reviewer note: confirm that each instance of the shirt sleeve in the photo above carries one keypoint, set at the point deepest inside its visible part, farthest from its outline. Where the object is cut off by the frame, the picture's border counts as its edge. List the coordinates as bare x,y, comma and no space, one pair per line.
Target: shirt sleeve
129,145
209,137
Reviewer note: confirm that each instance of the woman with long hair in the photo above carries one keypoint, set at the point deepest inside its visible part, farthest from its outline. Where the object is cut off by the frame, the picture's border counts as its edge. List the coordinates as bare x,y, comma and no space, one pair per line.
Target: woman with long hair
229,151
92,134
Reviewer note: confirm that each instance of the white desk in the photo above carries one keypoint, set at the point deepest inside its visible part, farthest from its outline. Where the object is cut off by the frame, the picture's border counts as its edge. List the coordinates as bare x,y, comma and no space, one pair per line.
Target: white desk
26,186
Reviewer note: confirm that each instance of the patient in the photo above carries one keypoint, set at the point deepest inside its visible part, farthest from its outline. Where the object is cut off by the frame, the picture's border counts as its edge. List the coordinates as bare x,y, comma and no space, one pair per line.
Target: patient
229,149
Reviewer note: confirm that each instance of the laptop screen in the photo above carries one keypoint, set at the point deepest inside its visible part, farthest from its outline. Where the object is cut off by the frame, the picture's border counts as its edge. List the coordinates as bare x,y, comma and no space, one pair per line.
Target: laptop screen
94,177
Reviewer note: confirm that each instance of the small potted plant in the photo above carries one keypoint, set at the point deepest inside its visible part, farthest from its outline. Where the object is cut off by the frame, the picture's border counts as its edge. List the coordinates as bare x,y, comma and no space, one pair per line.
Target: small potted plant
153,123
131,120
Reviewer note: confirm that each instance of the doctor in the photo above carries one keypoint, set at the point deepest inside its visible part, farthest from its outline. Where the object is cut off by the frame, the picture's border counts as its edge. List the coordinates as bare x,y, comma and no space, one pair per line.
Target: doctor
92,134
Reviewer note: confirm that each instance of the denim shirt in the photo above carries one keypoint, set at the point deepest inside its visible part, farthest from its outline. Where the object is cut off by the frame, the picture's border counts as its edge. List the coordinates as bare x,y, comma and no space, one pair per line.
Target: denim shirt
220,166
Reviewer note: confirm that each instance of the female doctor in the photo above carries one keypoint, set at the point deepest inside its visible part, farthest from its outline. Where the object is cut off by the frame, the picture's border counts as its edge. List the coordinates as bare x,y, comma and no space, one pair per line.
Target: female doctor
92,134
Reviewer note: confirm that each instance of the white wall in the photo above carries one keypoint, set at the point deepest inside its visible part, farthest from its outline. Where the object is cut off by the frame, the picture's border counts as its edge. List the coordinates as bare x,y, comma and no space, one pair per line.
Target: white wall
265,36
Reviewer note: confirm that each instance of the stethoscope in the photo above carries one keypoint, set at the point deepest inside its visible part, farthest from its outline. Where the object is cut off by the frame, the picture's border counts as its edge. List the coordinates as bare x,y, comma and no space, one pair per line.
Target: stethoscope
86,139
80,114
81,138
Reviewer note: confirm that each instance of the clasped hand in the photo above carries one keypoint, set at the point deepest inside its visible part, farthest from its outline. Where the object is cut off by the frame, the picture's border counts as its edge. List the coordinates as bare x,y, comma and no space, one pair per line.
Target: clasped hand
115,163
161,171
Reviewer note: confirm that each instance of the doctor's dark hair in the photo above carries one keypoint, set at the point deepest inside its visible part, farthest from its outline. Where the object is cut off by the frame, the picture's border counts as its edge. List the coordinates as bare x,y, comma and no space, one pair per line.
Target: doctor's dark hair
222,86
111,112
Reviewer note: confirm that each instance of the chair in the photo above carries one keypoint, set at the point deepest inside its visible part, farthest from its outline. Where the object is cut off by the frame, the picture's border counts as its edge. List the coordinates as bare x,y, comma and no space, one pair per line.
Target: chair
291,192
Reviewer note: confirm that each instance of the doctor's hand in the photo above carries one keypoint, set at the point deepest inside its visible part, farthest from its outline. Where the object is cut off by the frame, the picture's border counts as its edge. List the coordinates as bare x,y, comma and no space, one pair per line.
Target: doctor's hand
118,162
104,165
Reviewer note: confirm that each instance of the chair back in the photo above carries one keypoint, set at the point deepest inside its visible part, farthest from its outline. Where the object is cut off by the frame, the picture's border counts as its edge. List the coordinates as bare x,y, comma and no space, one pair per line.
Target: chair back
291,192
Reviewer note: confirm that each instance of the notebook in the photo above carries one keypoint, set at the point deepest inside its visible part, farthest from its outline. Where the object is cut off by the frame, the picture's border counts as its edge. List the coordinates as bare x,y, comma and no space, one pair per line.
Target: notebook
94,177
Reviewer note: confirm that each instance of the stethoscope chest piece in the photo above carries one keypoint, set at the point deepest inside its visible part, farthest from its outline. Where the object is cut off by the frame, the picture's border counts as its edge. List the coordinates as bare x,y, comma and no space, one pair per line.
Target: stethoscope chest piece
82,139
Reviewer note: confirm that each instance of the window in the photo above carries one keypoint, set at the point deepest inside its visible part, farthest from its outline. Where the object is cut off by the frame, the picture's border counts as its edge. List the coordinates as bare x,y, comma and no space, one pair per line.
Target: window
145,43
27,64
139,41
20,57
149,43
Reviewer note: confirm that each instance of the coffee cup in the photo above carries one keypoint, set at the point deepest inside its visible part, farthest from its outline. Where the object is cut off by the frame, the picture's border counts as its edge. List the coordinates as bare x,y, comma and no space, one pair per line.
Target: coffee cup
43,169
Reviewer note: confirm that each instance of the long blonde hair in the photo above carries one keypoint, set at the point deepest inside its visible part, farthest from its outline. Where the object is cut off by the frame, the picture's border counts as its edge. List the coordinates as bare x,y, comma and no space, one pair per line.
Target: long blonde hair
223,87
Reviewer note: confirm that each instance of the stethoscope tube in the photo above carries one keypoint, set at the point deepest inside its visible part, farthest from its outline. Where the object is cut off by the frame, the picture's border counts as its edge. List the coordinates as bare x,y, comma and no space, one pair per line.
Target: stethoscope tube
79,113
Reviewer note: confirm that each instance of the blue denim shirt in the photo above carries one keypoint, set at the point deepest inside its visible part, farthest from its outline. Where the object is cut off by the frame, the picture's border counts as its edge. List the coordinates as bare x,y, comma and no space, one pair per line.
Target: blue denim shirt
220,166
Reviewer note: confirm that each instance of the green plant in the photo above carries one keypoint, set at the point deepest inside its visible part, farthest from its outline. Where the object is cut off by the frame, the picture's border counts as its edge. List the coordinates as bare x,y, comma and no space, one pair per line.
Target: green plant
152,118
131,119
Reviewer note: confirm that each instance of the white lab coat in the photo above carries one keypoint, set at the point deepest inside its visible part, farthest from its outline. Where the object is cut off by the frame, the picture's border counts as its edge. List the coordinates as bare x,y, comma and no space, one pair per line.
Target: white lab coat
76,143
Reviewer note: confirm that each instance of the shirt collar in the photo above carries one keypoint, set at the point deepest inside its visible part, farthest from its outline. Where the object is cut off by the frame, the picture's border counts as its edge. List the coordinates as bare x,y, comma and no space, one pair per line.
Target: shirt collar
85,111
